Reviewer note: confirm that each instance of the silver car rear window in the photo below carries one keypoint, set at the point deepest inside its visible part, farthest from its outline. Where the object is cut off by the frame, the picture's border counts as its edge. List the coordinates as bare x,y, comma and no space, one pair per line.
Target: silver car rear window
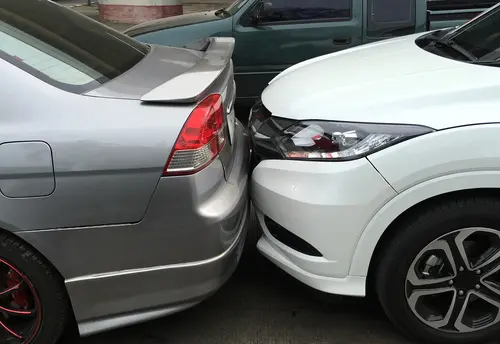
62,47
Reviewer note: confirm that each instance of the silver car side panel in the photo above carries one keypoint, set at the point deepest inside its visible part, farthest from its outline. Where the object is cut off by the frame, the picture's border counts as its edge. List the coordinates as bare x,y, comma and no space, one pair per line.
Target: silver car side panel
108,154
190,218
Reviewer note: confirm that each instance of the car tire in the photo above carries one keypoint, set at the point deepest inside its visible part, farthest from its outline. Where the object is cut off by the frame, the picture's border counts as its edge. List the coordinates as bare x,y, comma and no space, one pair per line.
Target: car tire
423,244
37,289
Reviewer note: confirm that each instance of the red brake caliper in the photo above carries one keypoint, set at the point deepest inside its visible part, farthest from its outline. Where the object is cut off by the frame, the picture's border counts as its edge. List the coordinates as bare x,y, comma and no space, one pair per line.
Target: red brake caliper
19,297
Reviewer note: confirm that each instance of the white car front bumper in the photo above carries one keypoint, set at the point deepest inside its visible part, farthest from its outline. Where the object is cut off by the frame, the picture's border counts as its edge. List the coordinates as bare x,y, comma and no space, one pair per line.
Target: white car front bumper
327,204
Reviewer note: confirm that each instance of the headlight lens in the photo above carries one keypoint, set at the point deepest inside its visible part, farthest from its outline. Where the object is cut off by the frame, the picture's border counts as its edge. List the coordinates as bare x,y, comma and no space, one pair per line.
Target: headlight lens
321,140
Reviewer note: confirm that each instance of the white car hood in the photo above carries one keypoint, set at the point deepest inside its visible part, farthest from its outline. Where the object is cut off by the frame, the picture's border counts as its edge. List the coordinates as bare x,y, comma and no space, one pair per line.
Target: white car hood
391,81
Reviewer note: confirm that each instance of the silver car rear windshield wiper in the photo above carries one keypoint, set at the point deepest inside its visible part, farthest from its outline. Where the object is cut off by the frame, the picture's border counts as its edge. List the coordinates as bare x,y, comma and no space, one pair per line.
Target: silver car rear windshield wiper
441,43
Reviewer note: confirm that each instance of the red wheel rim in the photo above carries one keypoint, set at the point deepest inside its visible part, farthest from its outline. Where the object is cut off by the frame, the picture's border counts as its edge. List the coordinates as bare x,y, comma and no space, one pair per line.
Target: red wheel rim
20,308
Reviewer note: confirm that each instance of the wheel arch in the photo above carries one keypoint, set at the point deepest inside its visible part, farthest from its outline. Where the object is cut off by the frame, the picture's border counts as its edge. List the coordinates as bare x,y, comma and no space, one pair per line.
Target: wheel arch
384,225
47,261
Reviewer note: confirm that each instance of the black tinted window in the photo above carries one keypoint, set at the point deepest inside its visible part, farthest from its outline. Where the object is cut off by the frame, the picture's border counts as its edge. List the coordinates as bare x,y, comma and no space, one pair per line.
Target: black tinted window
386,11
391,17
293,10
63,47
481,36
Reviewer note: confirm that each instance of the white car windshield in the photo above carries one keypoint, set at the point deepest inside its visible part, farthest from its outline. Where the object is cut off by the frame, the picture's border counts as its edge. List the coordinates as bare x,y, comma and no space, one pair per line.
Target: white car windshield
481,36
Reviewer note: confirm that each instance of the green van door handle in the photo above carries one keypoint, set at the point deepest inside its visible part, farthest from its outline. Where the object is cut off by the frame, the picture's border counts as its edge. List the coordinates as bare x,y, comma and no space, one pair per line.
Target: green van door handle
341,41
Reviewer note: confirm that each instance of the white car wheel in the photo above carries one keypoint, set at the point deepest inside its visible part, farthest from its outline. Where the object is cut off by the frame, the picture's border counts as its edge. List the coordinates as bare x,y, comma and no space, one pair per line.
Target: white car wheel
439,279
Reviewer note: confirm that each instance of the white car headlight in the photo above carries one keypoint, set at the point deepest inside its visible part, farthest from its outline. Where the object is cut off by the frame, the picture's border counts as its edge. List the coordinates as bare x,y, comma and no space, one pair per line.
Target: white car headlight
322,140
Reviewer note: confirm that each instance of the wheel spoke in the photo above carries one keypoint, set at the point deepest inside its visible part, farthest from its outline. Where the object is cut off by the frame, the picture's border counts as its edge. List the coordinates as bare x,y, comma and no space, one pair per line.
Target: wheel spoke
491,285
490,292
11,289
490,264
17,294
16,311
428,285
456,244
416,295
456,314
492,297
490,267
17,335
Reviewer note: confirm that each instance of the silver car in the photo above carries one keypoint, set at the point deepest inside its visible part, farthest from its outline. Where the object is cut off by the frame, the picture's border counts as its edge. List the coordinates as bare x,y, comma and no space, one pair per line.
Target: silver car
123,174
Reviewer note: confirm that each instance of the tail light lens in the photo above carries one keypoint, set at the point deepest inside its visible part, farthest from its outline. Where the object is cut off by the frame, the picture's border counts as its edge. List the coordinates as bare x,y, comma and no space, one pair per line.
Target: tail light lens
201,140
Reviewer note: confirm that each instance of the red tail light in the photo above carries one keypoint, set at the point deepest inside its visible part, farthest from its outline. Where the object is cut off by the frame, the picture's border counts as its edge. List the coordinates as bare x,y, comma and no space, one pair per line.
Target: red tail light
201,139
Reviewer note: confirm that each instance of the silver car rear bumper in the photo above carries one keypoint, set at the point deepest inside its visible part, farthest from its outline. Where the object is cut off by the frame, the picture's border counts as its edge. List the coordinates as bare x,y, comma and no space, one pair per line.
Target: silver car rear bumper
186,247
152,292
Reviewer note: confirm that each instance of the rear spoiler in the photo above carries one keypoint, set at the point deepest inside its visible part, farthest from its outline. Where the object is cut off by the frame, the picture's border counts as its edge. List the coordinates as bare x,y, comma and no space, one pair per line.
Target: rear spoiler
191,86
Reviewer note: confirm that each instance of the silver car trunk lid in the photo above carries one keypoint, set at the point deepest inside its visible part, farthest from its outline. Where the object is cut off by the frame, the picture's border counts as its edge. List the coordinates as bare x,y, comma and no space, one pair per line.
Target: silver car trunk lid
182,77
160,65
175,75
212,74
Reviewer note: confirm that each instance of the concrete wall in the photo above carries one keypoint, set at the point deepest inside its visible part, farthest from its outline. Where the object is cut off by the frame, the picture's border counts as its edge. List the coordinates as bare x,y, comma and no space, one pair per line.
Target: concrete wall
139,11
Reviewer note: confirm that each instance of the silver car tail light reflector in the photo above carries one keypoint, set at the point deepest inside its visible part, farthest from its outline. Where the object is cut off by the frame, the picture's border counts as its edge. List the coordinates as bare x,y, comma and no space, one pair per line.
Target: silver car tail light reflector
201,139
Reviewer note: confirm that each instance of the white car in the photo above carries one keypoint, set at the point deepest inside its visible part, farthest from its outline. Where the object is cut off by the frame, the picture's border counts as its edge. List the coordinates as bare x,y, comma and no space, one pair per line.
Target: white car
378,169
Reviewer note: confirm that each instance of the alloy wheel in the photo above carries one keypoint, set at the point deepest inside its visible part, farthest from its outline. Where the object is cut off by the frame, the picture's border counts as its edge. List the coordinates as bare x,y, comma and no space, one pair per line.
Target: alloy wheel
20,309
453,284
